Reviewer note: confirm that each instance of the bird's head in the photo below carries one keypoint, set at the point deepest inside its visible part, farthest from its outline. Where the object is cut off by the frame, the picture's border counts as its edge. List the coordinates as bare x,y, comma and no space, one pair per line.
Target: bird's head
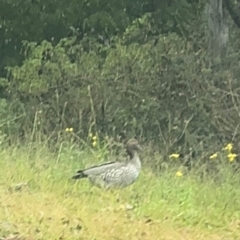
133,145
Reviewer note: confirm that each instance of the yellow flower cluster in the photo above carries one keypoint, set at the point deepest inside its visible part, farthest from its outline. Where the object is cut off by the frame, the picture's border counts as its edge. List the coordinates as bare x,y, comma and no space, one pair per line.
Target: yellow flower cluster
231,156
176,156
69,130
94,139
179,174
213,156
228,148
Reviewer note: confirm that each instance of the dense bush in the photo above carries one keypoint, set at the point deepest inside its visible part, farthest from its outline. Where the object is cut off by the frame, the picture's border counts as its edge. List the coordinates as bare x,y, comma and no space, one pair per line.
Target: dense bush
168,91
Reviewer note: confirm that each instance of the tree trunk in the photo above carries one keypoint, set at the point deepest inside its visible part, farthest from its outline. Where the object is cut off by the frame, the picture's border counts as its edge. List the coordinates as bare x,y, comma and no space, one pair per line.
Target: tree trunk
218,28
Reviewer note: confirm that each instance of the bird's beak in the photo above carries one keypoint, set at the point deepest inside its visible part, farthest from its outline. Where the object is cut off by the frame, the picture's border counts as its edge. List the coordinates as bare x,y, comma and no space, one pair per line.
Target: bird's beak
139,147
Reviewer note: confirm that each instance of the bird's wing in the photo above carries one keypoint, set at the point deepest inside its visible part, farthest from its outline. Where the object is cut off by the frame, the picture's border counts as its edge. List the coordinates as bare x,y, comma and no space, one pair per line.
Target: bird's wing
97,170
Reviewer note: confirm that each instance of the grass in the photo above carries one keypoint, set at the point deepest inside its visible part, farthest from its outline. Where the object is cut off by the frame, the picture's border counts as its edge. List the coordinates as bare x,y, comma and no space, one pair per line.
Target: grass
38,200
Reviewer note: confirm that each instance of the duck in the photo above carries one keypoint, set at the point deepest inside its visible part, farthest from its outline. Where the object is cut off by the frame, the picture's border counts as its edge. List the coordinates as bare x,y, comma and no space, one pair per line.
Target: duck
115,174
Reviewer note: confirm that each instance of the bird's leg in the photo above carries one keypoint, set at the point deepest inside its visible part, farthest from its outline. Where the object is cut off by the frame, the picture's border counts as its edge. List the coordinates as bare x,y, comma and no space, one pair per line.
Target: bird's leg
117,196
116,193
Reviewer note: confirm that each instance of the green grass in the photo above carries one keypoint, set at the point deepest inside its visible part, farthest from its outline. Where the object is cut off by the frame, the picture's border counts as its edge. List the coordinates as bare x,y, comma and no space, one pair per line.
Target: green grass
38,200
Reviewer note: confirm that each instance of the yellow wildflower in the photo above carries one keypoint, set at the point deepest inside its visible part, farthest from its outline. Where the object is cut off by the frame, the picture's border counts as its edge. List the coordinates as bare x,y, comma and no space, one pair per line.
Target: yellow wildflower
231,157
69,129
90,135
179,174
94,143
174,155
94,138
213,156
229,147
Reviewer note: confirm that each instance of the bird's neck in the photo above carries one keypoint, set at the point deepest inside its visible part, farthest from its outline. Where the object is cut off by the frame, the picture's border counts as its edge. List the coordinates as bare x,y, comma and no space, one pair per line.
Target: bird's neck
134,158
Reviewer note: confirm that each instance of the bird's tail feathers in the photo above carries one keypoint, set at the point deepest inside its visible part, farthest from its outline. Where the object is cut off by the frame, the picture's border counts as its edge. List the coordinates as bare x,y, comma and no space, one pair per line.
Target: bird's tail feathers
79,174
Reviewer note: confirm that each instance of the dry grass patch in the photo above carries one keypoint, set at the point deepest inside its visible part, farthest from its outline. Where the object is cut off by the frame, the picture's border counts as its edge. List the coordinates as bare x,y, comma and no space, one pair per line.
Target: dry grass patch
45,216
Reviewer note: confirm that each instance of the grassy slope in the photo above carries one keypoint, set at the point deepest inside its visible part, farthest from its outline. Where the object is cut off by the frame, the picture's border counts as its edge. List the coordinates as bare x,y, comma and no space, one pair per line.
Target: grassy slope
51,206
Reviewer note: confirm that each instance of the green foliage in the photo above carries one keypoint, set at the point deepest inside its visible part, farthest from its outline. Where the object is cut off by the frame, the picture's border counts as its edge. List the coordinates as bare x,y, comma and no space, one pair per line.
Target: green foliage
140,72
36,21
165,91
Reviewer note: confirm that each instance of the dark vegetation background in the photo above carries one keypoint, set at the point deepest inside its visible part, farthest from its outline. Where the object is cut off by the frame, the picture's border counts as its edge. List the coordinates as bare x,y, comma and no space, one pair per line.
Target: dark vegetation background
164,71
